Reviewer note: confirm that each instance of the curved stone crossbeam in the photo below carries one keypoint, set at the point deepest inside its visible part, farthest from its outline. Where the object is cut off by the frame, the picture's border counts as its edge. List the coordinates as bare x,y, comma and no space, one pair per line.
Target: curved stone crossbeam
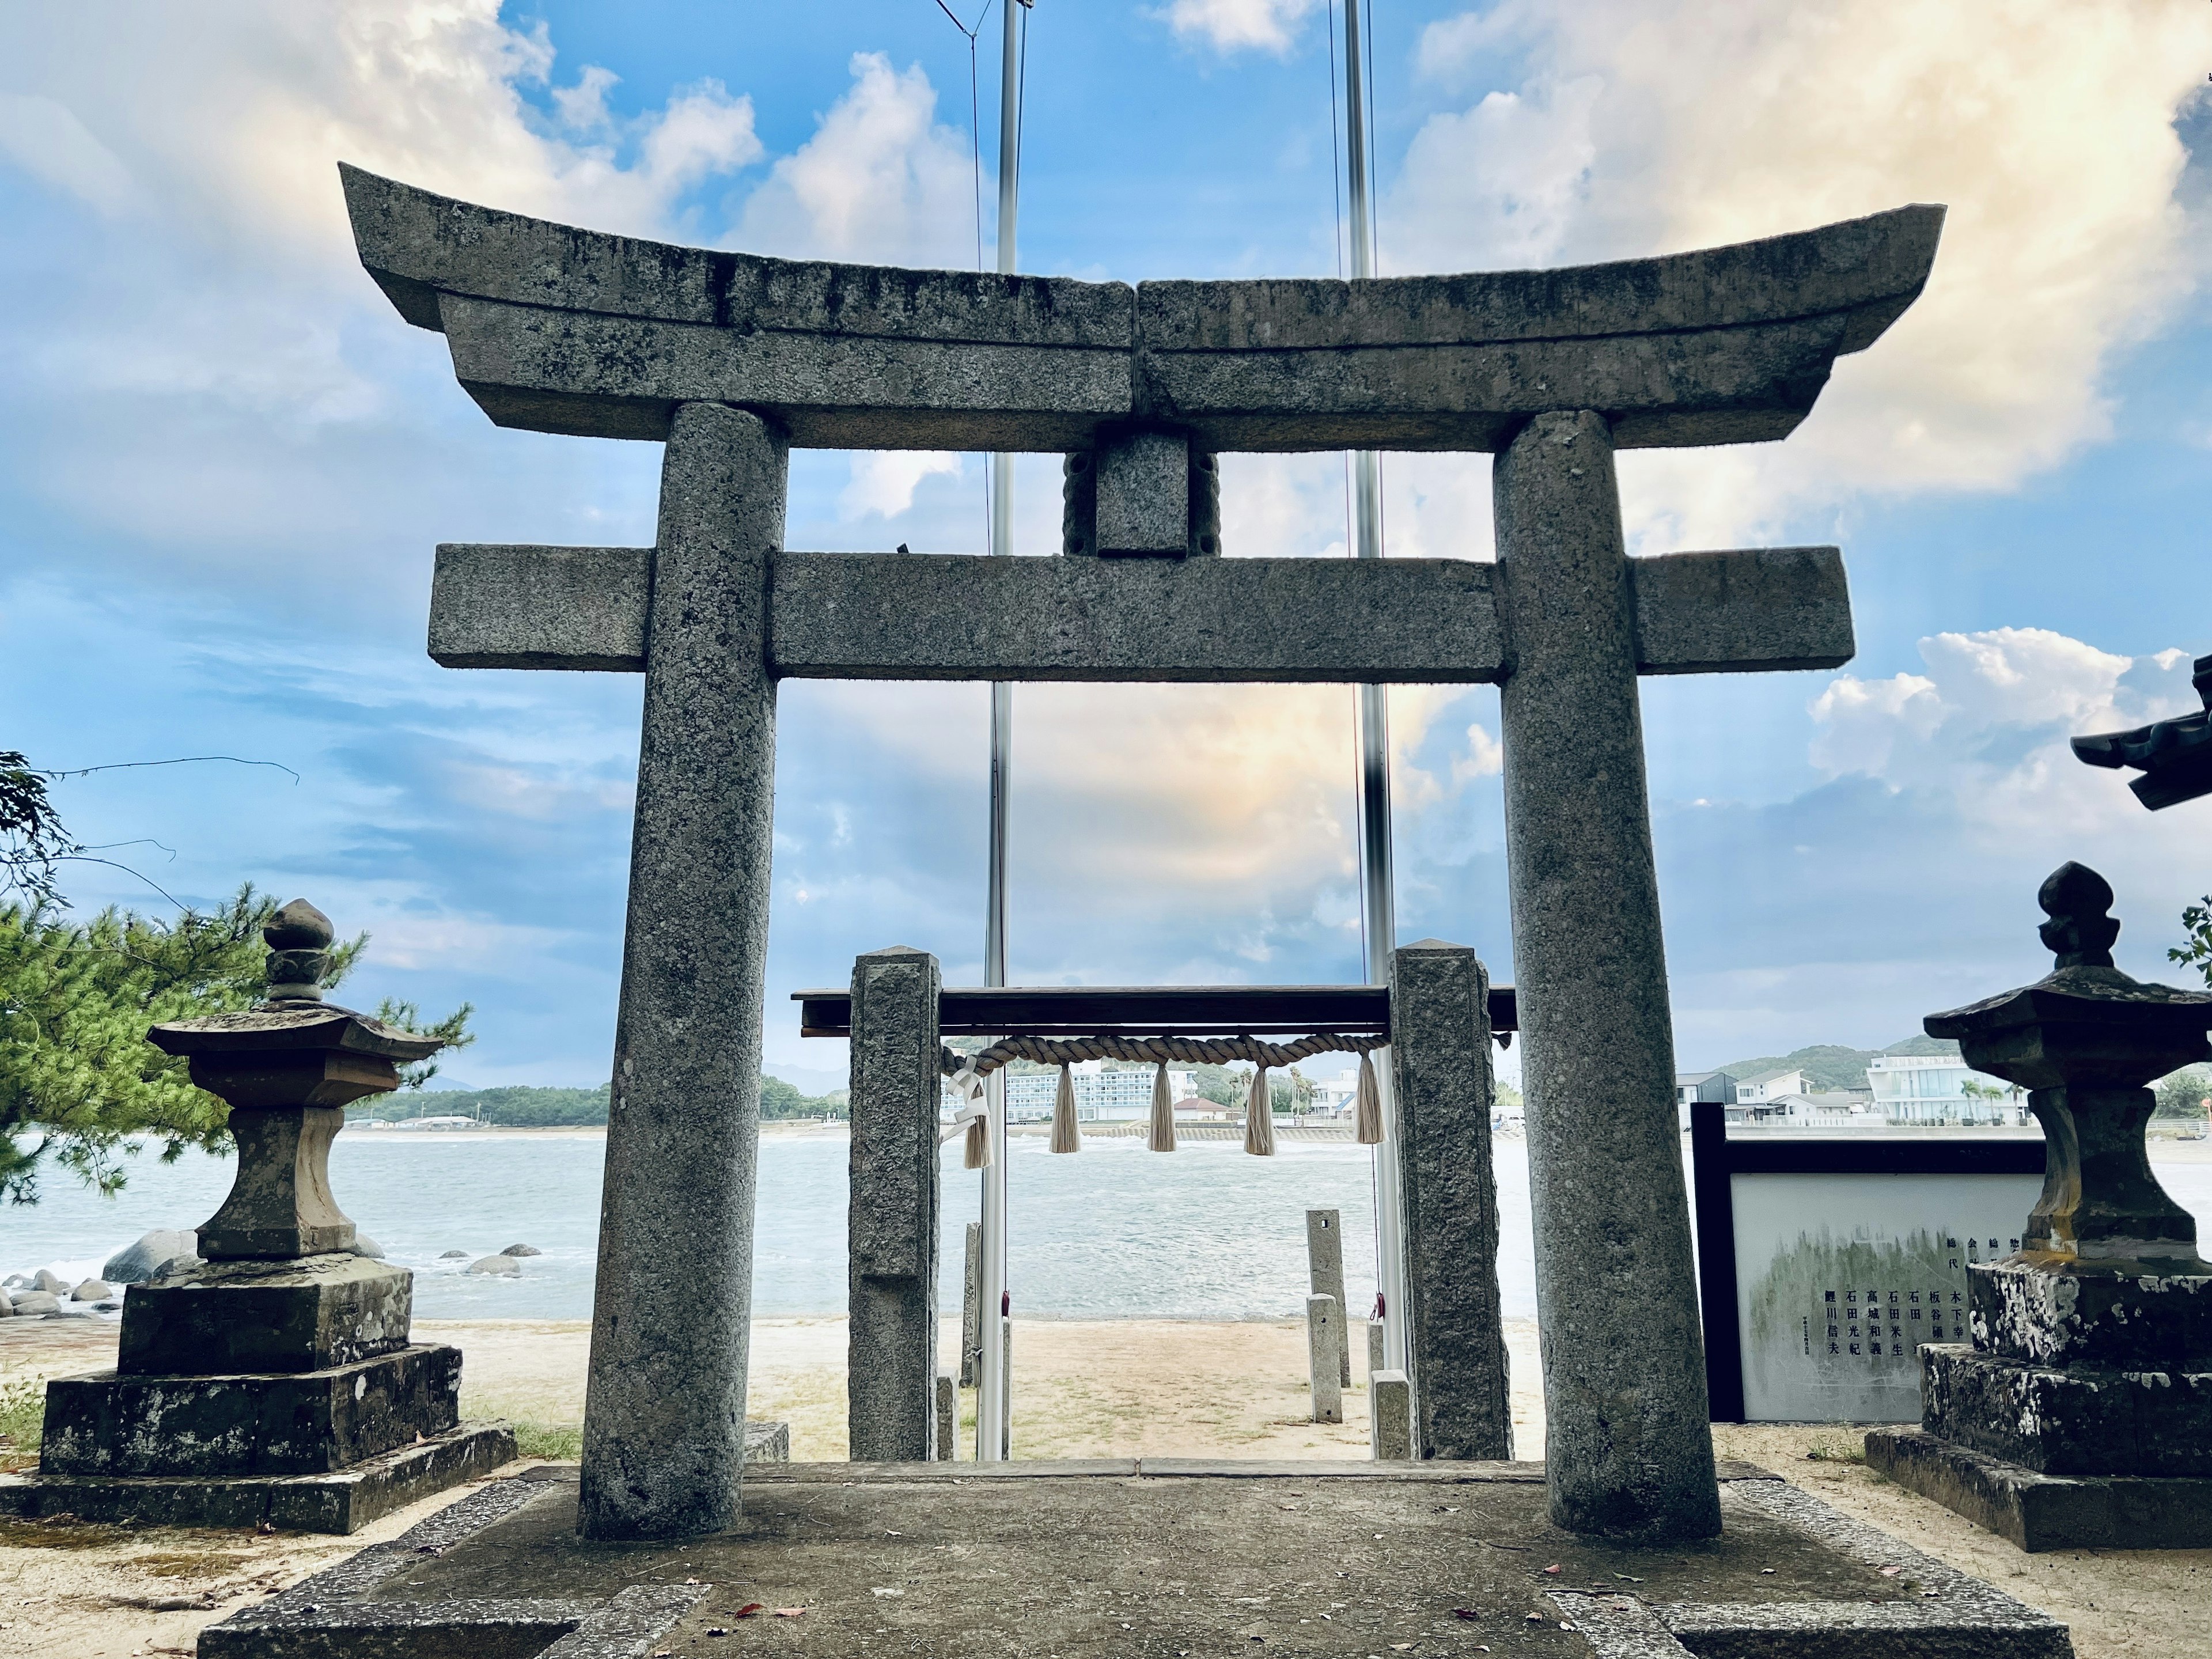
554,329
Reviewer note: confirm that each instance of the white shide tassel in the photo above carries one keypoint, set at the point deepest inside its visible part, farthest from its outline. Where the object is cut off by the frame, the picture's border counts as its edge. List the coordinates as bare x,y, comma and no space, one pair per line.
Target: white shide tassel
1259,1117
976,1145
1368,1131
1066,1137
1162,1135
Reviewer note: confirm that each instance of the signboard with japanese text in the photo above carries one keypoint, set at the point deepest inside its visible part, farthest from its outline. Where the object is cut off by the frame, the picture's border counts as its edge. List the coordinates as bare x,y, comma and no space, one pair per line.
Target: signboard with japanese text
1840,1277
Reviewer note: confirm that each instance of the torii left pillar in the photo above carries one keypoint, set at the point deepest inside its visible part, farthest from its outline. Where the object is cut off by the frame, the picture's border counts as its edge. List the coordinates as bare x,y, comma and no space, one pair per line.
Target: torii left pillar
665,1411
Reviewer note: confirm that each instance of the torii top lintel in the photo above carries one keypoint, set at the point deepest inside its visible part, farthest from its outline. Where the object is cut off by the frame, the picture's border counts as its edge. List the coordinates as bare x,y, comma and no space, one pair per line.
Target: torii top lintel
554,329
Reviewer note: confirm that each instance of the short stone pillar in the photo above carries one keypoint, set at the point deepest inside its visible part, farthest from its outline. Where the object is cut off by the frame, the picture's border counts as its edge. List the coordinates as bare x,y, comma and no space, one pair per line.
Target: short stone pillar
2080,1415
891,1375
1325,1357
1390,1416
1325,1275
1441,1077
276,1383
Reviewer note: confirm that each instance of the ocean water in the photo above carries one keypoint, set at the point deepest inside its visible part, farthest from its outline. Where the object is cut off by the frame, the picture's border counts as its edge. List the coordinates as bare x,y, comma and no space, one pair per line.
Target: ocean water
1114,1232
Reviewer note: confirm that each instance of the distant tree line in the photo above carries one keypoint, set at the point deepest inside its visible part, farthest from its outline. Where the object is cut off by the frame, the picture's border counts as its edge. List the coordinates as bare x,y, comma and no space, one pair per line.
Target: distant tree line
524,1108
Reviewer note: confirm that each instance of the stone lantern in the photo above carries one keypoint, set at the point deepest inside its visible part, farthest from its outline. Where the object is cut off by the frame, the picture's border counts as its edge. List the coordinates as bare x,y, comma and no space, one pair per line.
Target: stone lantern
2082,1413
275,1381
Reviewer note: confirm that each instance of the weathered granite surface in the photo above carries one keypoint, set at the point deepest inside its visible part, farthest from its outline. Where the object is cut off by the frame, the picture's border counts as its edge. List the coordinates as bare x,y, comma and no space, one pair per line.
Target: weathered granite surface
890,1374
1628,1451
2147,1322
664,1415
1164,1557
892,616
562,330
1143,495
343,1501
2078,1420
302,1315
2039,1512
119,1424
1441,1085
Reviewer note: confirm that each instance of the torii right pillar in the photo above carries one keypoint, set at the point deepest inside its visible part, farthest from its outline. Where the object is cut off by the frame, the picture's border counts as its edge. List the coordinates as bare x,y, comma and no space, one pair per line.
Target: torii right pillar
1628,1449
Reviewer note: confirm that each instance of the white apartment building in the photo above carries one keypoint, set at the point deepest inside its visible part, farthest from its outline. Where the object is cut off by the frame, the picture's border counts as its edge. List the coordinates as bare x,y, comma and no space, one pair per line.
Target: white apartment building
1121,1095
1932,1088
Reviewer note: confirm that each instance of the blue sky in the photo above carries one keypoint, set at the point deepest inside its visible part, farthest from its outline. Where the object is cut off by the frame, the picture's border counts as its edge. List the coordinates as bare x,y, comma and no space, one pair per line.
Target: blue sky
226,462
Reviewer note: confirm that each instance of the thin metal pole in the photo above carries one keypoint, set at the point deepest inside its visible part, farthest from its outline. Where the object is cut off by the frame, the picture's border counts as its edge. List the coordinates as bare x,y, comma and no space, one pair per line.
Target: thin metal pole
1378,923
993,1398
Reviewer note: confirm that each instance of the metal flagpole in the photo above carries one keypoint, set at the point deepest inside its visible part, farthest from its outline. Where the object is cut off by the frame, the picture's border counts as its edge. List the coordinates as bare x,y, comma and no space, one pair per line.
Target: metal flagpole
1378,924
993,1395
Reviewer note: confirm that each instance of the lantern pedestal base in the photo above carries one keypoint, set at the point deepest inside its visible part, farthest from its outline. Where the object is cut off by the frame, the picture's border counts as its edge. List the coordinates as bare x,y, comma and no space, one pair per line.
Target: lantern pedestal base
2040,1513
339,1501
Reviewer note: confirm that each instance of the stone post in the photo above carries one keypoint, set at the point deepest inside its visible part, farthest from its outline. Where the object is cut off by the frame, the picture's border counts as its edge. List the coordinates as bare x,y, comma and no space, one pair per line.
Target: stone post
1441,1083
664,1412
1325,1275
1325,1357
1390,1416
1628,1447
891,1373
971,1307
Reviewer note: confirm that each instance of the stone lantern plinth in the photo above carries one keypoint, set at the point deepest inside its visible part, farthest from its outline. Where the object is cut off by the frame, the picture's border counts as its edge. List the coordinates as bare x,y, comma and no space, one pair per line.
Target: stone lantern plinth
2080,1415
276,1383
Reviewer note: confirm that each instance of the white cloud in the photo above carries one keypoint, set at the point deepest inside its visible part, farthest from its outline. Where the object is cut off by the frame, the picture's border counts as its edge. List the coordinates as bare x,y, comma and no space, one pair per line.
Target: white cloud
2049,131
2039,685
884,480
880,181
1485,757
1237,25
1516,164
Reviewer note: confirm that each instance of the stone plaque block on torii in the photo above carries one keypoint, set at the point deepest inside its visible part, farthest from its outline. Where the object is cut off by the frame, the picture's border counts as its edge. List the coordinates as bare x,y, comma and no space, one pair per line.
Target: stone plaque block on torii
731,360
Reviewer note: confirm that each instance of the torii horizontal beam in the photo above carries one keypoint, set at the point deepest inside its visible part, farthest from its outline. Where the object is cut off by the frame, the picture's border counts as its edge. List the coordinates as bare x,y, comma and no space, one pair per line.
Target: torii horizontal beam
958,616
555,329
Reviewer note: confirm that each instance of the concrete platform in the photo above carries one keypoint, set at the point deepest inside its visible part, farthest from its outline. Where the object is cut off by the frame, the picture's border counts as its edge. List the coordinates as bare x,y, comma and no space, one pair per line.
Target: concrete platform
341,1501
1165,1559
2040,1511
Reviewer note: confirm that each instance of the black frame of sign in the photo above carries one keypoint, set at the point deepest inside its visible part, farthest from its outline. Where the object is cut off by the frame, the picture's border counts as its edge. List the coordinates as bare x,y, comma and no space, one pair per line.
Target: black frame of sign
1716,1158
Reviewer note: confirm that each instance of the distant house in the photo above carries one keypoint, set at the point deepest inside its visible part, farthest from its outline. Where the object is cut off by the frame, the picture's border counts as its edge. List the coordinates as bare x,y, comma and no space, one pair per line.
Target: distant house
1838,1109
1763,1086
1196,1106
1691,1087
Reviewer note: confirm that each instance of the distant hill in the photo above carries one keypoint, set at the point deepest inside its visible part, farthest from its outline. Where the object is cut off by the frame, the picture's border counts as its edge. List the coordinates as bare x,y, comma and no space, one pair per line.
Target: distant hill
1830,1067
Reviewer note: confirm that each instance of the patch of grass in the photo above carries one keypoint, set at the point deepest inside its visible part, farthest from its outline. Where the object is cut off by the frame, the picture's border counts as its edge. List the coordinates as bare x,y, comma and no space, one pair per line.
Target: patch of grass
562,1441
23,1420
1836,1451
212,1564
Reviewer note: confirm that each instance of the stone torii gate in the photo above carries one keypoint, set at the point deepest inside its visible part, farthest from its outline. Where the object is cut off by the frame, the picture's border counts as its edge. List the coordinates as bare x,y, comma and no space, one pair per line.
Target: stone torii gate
729,359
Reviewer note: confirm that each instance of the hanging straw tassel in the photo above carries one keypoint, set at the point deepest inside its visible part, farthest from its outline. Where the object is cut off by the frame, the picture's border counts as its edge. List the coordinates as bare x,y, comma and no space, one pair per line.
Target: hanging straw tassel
1066,1137
1368,1129
975,1148
1163,1136
1259,1117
